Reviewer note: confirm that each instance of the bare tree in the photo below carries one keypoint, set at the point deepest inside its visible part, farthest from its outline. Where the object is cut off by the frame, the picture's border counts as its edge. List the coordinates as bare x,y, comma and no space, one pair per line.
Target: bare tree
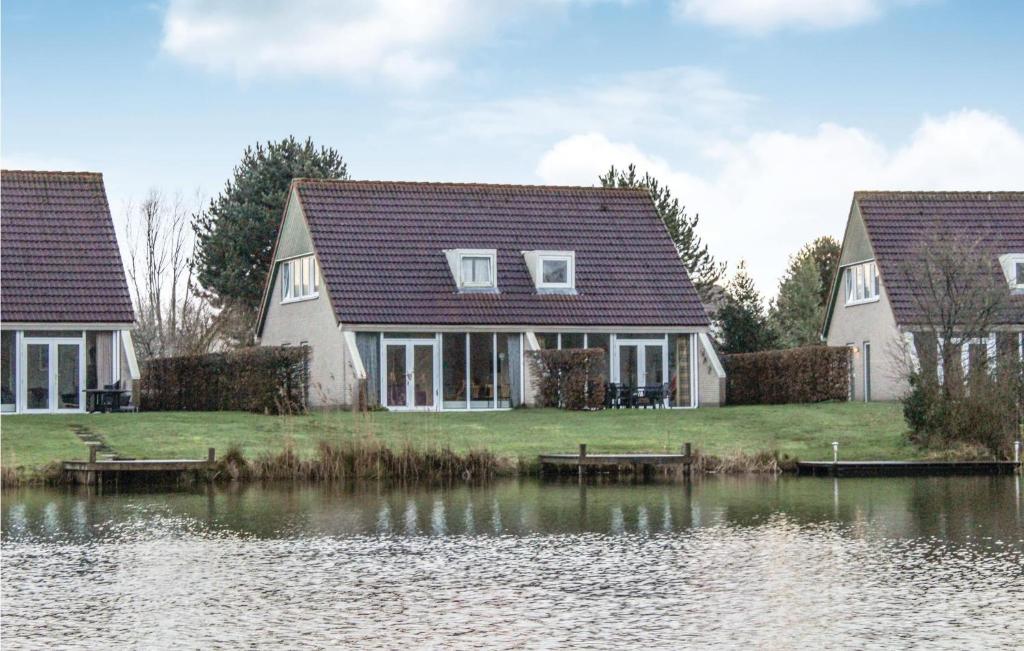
957,293
172,319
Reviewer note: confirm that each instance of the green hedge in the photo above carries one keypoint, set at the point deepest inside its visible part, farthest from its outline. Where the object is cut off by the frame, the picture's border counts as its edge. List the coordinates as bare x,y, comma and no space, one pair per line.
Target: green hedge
572,378
808,374
263,379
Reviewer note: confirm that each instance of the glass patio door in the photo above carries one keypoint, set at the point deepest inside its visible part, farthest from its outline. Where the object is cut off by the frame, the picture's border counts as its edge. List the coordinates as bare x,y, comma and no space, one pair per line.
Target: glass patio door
53,376
641,362
409,375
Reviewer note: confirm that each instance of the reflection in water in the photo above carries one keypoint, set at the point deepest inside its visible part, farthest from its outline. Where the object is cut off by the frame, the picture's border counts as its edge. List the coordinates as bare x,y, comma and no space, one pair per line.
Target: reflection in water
741,562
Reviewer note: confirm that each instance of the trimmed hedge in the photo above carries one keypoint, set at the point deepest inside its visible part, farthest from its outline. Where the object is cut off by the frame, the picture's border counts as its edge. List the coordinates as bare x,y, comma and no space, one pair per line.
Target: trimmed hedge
270,380
808,374
572,378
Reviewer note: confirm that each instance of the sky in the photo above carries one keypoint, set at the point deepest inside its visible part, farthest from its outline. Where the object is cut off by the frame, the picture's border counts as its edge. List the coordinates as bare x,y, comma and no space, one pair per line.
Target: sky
762,116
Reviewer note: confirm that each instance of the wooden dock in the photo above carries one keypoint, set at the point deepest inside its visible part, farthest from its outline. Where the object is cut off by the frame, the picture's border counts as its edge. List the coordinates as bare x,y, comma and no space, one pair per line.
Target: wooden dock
95,471
905,468
642,463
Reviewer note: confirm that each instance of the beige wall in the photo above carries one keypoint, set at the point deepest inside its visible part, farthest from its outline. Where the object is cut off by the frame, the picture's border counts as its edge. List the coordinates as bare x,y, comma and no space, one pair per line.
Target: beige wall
311,321
710,387
867,322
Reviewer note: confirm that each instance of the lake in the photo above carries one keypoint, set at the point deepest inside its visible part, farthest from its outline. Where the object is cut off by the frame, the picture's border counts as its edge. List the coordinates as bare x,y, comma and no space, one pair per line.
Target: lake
737,562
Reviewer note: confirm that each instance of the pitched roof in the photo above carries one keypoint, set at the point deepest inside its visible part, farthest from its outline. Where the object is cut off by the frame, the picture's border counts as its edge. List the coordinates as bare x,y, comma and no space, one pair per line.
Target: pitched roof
60,260
381,250
899,223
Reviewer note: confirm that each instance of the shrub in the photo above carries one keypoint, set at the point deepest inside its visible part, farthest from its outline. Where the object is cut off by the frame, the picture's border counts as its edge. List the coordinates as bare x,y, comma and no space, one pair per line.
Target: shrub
264,379
808,374
572,378
984,413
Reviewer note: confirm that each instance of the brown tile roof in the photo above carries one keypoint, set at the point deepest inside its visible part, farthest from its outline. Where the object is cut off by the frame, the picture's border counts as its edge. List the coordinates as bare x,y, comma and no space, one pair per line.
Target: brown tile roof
898,223
381,244
60,260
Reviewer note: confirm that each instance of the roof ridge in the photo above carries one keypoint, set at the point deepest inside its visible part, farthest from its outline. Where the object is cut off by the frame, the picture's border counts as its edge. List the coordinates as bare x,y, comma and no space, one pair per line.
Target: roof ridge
459,185
50,173
859,194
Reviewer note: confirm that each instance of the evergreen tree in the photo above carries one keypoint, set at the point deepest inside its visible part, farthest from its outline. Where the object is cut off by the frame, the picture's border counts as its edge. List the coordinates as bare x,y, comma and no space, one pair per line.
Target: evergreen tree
825,252
700,265
236,233
743,320
797,313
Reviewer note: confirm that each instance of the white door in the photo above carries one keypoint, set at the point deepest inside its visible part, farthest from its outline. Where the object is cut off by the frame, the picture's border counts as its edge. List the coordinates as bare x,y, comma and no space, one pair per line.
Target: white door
409,378
640,362
53,375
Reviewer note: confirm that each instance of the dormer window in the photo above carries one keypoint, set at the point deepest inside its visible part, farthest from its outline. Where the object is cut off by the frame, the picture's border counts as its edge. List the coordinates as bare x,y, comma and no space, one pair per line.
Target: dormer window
1013,269
474,269
862,283
552,270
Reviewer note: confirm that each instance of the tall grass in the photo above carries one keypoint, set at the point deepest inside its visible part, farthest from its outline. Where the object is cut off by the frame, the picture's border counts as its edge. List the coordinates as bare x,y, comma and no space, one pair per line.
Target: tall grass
365,459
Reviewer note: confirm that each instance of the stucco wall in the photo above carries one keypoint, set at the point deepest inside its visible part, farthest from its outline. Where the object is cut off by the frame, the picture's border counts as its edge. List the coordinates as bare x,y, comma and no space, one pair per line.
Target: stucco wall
867,322
311,321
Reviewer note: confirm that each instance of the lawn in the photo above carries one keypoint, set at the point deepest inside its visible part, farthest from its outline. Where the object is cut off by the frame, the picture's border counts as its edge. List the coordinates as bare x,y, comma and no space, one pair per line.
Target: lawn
864,431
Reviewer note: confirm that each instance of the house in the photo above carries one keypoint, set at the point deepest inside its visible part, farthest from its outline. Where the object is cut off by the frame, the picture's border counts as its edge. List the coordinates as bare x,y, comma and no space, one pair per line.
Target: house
433,292
876,303
65,312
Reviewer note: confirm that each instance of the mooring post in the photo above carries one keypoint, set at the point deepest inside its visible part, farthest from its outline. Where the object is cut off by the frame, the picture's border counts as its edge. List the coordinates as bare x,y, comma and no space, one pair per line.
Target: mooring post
835,451
1016,454
92,451
583,456
687,449
210,455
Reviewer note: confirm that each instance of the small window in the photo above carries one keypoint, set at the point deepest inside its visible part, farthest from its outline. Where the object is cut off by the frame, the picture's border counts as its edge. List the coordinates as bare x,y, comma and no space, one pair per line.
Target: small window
555,270
1019,275
862,283
300,279
476,271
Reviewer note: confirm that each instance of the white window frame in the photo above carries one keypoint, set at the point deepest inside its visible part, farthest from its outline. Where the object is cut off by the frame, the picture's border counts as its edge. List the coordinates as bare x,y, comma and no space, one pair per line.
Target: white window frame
991,356
569,258
1009,262
305,269
862,283
474,284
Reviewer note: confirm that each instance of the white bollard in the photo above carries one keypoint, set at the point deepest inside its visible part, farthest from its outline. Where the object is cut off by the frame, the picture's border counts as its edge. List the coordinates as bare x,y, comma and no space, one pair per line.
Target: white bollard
835,451
1016,451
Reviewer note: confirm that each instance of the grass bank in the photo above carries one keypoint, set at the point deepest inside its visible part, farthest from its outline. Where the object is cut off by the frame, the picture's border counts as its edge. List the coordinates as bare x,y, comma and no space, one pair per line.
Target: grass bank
806,432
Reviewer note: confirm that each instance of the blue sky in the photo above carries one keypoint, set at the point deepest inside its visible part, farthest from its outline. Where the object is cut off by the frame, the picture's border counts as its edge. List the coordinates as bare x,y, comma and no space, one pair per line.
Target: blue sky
764,117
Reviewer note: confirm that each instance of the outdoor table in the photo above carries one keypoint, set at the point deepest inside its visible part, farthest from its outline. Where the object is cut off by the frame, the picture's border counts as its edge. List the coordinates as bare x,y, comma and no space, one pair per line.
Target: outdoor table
103,400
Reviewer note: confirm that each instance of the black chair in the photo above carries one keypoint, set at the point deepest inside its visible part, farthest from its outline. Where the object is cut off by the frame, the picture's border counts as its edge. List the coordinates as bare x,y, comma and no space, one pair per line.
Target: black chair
654,395
615,394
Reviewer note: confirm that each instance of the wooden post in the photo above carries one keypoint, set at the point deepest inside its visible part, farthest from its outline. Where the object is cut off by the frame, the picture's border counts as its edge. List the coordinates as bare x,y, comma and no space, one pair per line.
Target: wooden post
583,456
92,451
210,455
686,451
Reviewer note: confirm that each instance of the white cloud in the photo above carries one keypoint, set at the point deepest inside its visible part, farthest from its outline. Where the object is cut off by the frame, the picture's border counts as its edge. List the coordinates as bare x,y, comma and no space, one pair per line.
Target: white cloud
410,42
759,16
771,192
674,103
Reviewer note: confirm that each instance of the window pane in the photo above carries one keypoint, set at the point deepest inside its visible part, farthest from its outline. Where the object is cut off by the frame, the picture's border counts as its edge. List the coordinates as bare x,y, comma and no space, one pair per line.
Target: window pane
849,284
860,283
467,270
481,370
395,384
37,361
572,340
874,277
482,270
423,375
296,280
555,271
653,365
454,370
68,392
628,369
1020,273
547,340
304,271
8,371
286,280
679,370
506,349
316,275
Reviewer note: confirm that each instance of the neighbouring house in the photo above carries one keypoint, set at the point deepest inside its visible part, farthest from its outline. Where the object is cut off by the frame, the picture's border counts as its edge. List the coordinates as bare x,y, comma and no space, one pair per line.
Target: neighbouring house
431,293
65,311
875,301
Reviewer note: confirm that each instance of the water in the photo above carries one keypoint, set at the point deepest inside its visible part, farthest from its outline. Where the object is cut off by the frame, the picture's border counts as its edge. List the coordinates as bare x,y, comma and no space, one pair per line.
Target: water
752,562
